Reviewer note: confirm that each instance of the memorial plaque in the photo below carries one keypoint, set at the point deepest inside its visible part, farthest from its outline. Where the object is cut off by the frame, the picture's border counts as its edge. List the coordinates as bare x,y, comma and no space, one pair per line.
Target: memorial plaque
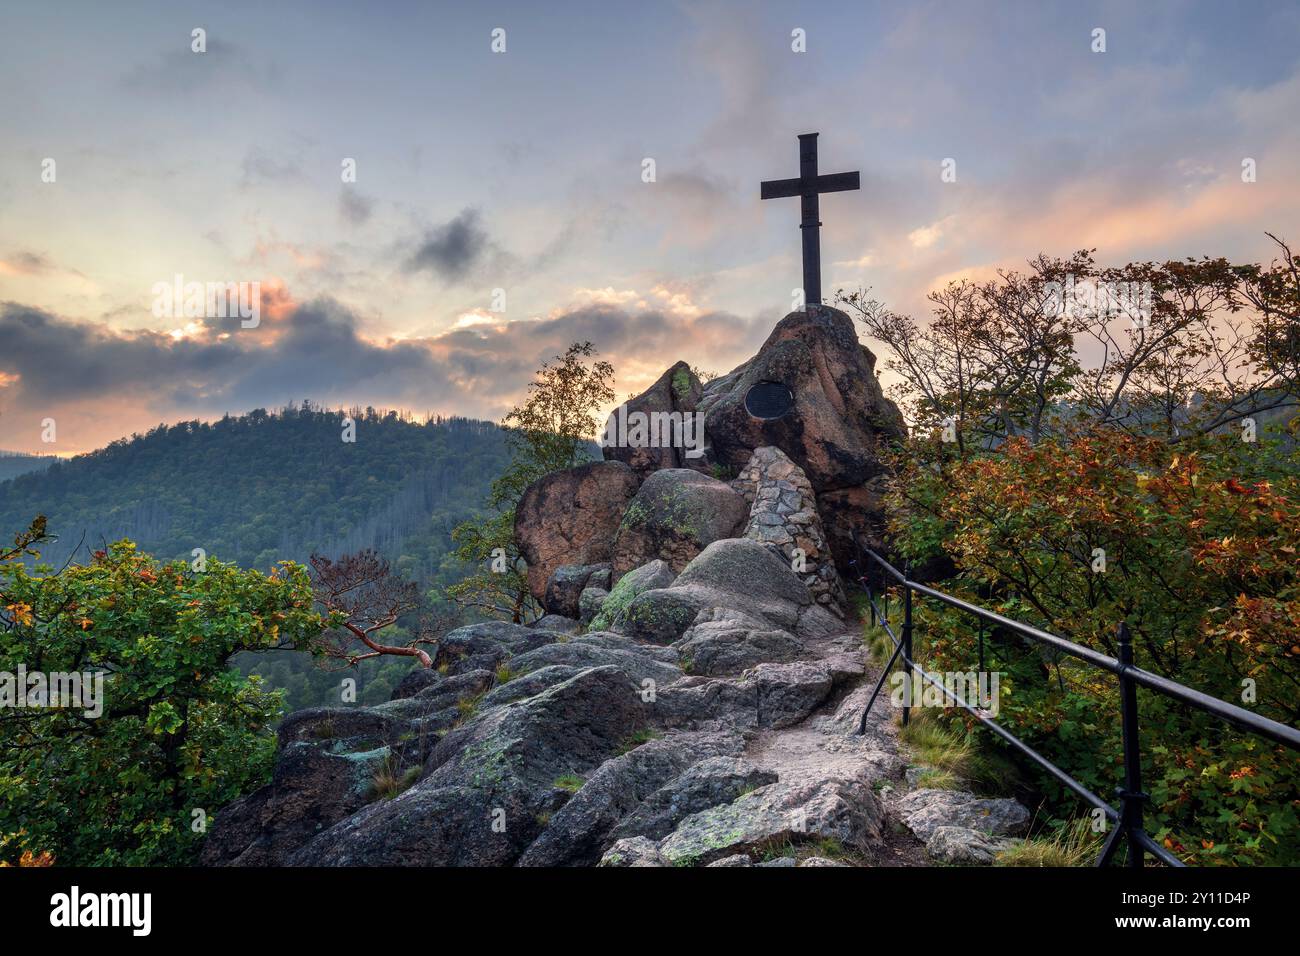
769,400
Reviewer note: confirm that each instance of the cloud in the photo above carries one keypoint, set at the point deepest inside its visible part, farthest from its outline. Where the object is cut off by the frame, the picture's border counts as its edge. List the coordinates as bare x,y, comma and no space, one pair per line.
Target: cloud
261,166
355,208
452,251
100,384
183,71
25,263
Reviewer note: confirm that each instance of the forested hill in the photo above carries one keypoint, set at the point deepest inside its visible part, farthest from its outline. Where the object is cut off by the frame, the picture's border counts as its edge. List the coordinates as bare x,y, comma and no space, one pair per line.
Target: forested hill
265,486
13,463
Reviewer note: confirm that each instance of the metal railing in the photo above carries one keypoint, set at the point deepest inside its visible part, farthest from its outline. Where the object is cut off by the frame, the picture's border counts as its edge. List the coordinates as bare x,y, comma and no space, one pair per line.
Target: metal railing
1128,816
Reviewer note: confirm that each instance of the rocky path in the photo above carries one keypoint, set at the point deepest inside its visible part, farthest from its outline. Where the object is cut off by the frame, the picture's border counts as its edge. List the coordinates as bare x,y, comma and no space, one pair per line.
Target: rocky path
826,747
730,743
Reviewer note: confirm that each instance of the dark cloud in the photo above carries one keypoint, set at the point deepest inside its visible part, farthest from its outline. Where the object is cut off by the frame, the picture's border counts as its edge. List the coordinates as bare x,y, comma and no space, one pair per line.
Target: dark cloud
181,70
261,166
28,263
453,250
355,208
108,384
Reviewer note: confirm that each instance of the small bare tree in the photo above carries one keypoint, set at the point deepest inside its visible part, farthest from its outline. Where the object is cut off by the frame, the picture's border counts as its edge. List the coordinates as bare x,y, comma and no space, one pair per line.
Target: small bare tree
363,595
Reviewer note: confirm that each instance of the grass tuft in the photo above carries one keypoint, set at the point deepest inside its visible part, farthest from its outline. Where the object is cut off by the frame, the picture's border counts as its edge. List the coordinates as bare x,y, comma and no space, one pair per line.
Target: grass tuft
1074,844
637,739
569,781
388,783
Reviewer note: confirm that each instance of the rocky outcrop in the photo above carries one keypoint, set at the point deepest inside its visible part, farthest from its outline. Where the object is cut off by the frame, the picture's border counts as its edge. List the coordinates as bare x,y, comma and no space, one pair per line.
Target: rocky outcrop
650,576
840,421
571,517
732,573
836,810
725,641
484,646
329,760
783,516
837,429
638,439
926,811
567,582
674,516
579,831
490,785
690,696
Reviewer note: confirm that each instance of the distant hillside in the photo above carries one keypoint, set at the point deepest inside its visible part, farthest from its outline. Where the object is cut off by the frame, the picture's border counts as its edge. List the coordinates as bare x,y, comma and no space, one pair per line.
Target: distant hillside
15,463
269,485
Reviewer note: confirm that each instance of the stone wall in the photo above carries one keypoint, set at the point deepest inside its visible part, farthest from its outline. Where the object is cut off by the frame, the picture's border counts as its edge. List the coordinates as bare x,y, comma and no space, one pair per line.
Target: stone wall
783,516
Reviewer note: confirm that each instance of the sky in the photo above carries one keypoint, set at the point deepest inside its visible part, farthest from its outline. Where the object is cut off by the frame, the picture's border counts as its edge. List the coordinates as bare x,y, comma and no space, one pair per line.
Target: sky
520,172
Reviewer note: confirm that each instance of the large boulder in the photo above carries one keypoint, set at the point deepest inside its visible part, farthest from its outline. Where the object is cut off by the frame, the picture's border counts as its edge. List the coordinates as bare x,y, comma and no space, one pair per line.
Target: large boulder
711,782
674,516
838,425
726,641
485,645
491,784
650,576
840,420
778,813
326,762
657,429
926,811
579,832
557,624
566,584
636,666
571,517
731,573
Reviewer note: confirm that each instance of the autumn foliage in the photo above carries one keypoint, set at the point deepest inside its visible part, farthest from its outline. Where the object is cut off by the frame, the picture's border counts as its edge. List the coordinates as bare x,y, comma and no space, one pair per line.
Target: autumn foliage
181,734
1195,546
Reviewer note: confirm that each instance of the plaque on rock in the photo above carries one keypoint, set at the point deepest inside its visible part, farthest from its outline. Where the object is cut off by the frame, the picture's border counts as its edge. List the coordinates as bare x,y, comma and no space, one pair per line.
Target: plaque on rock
769,401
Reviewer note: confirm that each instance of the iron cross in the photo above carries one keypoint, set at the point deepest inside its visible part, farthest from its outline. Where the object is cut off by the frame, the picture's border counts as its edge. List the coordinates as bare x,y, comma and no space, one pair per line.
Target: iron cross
808,186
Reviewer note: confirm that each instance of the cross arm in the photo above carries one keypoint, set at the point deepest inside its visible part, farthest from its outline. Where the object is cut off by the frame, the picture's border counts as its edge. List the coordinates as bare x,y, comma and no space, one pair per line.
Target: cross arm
833,183
781,188
838,182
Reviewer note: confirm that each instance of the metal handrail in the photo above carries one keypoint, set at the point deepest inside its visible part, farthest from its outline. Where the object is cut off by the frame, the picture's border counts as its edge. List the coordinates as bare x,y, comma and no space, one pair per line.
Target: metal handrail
1129,814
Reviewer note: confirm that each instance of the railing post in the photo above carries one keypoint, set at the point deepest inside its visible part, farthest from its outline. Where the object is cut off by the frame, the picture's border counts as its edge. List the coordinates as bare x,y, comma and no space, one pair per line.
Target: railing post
907,649
871,594
1131,793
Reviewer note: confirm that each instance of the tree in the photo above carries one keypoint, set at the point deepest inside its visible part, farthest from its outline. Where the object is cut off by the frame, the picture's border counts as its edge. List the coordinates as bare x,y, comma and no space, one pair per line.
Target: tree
180,734
995,359
1177,349
1195,548
361,596
549,432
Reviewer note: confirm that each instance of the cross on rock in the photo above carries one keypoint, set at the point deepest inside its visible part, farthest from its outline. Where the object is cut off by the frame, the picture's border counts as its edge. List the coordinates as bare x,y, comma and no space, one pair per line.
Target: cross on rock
808,186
